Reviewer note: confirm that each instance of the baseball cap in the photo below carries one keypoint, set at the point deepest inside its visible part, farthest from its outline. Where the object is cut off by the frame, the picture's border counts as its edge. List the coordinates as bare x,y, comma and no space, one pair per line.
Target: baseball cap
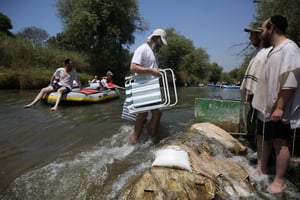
109,73
160,32
255,30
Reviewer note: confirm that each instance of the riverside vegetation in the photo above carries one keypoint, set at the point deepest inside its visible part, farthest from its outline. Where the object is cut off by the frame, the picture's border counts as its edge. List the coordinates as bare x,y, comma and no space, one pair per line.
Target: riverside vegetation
24,65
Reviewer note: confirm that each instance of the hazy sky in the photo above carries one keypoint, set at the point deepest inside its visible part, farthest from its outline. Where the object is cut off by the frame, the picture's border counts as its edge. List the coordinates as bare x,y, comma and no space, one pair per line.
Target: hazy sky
214,25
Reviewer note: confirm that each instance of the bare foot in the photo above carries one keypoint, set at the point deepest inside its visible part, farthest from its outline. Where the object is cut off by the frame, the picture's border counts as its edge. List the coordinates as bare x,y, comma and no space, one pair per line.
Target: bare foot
259,171
276,187
28,106
133,139
253,171
53,109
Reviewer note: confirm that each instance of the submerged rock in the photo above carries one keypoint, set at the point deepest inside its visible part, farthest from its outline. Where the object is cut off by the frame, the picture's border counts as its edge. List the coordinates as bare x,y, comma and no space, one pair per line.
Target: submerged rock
168,183
211,177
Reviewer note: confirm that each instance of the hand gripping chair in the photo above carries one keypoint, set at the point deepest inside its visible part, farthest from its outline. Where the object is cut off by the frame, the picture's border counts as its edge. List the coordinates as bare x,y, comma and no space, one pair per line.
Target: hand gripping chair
143,95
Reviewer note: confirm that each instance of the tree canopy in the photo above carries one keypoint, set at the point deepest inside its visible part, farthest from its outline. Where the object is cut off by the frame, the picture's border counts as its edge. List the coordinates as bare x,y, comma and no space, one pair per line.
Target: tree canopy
102,28
287,8
5,24
188,62
34,35
264,10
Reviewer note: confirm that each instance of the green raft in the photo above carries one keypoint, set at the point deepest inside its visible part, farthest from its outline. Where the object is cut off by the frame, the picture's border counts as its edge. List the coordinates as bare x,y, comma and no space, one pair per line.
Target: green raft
227,114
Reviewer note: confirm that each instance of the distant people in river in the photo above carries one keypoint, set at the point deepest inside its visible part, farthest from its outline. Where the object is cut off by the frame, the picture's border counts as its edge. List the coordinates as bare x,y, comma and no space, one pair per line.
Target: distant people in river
60,82
94,80
106,81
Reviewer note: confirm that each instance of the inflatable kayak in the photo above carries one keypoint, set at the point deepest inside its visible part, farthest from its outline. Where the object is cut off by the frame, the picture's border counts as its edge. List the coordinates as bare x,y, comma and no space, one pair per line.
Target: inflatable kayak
84,95
224,86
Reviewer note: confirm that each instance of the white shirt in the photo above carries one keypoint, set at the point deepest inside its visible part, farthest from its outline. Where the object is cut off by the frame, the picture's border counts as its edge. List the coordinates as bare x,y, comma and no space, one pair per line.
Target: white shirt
145,57
254,70
280,72
65,78
104,82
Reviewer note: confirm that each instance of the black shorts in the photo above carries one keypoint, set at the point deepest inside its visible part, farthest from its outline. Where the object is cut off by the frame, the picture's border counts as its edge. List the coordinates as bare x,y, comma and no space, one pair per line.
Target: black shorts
56,87
274,130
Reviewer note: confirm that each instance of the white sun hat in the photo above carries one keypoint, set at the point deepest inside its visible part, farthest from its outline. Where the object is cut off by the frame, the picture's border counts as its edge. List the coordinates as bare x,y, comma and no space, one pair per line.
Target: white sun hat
159,32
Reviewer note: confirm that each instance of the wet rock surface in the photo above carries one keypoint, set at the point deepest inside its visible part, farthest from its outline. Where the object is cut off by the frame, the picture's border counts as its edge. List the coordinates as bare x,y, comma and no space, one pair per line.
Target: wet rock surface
212,177
220,169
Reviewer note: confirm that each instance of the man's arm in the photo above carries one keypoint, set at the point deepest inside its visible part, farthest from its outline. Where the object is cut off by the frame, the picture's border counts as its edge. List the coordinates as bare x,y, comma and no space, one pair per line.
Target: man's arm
283,96
136,68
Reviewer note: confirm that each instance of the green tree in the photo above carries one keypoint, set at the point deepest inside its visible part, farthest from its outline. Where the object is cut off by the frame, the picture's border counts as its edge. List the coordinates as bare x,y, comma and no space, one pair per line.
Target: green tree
34,35
214,73
188,62
267,8
103,28
5,24
288,8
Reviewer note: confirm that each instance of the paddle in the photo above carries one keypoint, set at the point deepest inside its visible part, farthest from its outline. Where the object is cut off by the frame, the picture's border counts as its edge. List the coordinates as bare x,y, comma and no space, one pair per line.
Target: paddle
112,85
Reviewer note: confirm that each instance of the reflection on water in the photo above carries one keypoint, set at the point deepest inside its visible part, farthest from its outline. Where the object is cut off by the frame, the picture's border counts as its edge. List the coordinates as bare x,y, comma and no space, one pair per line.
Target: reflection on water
82,152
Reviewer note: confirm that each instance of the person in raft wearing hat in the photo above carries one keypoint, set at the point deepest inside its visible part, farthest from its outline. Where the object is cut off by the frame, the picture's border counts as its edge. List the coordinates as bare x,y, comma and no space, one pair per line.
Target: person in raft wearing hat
144,61
249,83
107,80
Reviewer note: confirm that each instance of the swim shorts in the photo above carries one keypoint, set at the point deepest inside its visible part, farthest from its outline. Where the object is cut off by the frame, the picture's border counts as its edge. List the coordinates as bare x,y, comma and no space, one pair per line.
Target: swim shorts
274,130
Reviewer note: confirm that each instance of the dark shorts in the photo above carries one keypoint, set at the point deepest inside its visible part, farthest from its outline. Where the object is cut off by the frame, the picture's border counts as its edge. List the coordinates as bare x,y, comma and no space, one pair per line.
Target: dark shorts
56,87
274,130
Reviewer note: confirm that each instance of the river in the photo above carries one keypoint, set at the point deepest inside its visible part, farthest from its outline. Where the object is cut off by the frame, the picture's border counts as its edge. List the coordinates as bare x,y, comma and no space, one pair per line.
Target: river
79,152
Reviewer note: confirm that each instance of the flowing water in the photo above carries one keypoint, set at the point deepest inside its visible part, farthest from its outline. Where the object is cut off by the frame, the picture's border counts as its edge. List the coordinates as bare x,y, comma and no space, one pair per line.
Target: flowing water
81,152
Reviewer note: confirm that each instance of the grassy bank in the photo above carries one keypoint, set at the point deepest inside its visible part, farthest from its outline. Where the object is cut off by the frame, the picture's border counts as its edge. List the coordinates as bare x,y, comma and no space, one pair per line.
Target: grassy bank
24,65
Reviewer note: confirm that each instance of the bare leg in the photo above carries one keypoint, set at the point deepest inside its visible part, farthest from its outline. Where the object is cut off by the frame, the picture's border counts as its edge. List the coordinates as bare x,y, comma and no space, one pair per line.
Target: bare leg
138,127
59,94
282,161
156,115
265,156
39,96
259,152
263,168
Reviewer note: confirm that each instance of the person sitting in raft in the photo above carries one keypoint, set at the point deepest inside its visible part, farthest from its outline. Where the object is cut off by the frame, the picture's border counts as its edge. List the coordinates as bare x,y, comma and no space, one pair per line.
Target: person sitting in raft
106,81
94,80
60,82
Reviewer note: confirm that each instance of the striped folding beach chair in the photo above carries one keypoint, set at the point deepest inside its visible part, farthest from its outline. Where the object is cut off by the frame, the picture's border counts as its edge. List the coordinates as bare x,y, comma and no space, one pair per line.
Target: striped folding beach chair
143,95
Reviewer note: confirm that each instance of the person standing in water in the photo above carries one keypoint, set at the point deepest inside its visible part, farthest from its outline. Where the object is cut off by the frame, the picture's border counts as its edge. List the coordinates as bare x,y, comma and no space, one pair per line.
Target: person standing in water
275,95
249,84
144,61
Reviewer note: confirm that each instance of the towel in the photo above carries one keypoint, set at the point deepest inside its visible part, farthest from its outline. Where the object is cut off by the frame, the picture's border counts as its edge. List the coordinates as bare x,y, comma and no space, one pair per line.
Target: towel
273,78
295,108
253,71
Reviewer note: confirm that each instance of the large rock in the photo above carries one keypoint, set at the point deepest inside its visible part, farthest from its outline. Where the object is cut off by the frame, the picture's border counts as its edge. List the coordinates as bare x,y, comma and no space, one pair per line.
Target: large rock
211,177
167,183
222,136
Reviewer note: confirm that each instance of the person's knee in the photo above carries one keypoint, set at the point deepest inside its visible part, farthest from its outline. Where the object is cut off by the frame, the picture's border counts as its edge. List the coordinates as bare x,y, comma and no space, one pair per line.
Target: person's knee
61,90
44,90
142,117
157,114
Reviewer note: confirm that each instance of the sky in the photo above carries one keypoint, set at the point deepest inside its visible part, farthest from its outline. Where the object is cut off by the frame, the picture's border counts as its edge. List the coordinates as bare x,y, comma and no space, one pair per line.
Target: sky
217,26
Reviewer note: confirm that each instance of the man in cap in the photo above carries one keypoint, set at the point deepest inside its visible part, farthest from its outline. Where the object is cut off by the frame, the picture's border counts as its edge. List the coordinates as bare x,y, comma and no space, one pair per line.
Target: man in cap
107,80
249,83
144,61
275,96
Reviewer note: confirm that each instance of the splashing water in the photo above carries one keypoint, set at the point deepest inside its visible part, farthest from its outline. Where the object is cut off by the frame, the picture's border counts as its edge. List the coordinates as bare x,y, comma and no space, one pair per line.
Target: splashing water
74,176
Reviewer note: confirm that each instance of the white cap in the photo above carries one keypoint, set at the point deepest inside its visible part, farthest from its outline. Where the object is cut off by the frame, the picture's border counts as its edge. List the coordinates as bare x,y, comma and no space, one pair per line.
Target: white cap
159,32
109,73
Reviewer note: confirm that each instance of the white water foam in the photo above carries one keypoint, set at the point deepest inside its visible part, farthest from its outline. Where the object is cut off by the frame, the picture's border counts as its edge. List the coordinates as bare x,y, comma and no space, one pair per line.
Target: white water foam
73,176
123,179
